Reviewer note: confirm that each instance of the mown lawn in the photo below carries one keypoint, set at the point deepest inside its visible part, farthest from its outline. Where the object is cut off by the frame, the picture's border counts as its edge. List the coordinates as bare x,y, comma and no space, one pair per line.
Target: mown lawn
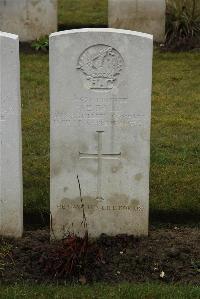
175,141
85,13
100,291
174,176
35,123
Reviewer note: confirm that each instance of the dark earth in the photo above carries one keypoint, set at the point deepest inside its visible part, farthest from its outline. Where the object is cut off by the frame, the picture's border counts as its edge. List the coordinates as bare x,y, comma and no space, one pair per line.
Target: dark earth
168,254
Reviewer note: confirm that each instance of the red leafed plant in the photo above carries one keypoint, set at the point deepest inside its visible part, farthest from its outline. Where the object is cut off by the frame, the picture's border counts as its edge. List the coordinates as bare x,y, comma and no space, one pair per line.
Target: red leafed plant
70,257
67,259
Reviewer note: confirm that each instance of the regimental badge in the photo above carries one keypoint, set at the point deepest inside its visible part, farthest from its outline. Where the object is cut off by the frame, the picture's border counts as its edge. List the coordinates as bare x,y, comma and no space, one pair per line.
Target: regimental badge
101,66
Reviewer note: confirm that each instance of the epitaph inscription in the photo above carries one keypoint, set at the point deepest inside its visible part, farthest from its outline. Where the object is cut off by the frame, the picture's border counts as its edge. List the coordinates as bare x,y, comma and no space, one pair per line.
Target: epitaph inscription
101,66
105,208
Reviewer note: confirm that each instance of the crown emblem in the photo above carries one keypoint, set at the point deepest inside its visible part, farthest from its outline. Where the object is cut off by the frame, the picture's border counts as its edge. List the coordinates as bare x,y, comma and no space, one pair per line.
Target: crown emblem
101,66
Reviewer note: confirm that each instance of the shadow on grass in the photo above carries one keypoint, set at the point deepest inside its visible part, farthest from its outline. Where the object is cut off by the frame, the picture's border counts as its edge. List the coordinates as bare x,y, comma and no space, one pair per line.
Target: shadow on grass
62,27
35,220
174,217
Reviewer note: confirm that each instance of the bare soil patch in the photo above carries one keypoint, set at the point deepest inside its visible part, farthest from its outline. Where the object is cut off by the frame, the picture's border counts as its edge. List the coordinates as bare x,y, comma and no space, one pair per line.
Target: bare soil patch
168,254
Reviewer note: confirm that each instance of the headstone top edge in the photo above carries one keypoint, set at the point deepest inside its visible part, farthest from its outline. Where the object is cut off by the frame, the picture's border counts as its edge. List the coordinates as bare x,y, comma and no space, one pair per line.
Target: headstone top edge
102,30
9,35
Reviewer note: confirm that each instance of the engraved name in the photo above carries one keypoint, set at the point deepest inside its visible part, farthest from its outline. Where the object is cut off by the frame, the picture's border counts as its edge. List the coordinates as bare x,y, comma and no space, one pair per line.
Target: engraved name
104,112
100,208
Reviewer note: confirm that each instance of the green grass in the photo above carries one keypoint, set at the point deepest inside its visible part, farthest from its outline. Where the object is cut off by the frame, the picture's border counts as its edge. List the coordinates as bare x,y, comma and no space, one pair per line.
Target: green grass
175,133
100,291
85,13
35,120
174,176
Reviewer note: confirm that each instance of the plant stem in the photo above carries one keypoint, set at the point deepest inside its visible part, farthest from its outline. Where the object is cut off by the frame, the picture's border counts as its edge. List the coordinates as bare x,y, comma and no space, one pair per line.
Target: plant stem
193,8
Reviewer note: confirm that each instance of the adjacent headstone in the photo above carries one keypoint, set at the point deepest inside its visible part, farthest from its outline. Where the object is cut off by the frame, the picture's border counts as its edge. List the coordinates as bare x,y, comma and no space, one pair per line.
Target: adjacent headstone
139,15
11,210
100,131
30,19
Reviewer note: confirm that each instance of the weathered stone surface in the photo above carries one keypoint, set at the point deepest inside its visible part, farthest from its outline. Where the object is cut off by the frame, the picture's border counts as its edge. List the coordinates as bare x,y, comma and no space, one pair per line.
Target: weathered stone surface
100,131
140,15
11,209
30,19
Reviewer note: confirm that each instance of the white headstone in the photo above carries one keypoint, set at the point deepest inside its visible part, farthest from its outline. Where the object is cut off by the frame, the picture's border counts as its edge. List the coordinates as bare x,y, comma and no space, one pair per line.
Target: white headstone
30,19
140,15
100,131
11,209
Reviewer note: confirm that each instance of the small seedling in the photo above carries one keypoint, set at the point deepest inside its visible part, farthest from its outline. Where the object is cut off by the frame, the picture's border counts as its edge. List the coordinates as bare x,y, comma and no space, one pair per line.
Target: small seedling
41,44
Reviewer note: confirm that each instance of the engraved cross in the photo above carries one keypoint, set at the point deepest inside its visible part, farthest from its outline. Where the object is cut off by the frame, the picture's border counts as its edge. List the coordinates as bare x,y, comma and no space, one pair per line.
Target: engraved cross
100,157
